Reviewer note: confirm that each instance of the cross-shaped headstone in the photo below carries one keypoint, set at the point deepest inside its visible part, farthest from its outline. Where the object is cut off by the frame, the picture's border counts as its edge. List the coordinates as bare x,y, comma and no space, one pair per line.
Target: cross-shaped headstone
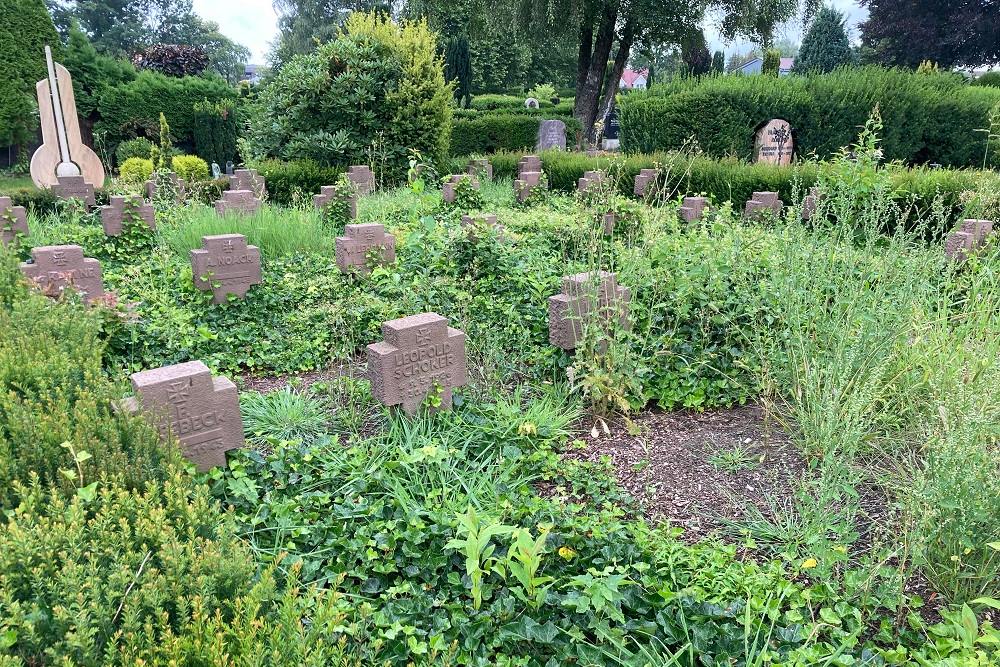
420,354
763,201
526,184
176,182
74,187
329,194
810,203
693,209
362,177
472,223
971,236
248,179
449,191
586,299
226,265
134,208
55,267
592,180
185,402
13,221
529,163
242,202
480,168
643,179
358,240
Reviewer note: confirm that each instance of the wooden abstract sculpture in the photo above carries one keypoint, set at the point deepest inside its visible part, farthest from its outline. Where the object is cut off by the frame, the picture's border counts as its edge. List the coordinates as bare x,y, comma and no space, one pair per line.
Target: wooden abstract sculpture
62,152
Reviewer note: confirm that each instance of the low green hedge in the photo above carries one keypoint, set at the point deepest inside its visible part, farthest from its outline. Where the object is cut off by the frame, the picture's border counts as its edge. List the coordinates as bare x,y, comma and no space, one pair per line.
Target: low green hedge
927,118
489,133
289,182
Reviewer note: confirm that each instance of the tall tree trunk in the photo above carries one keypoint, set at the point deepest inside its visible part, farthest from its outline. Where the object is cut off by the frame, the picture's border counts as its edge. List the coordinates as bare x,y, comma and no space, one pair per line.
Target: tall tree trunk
584,52
621,59
587,98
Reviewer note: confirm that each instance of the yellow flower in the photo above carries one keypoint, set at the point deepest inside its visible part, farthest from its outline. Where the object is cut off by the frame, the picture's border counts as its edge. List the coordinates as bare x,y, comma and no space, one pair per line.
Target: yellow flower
566,553
809,563
841,549
527,428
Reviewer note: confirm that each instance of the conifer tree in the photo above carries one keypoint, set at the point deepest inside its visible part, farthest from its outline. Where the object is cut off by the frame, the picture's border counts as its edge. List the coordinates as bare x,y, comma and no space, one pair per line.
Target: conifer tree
825,46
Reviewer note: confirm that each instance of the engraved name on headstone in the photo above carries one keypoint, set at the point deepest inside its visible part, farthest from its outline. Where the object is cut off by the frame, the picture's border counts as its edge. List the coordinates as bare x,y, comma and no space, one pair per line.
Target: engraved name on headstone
774,143
421,354
762,202
57,267
74,187
226,265
114,215
13,221
362,177
353,247
586,299
242,202
551,135
331,194
185,402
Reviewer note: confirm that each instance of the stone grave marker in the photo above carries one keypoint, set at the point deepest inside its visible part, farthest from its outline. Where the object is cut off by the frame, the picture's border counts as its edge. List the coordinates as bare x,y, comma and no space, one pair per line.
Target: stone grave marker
329,194
529,163
184,401
585,298
612,127
114,215
353,247
242,202
74,187
608,221
363,178
531,103
472,223
763,201
13,221
528,182
216,171
226,265
693,209
449,191
179,186
810,203
970,237
480,169
229,168
643,179
551,135
774,143
419,354
55,267
248,179
591,181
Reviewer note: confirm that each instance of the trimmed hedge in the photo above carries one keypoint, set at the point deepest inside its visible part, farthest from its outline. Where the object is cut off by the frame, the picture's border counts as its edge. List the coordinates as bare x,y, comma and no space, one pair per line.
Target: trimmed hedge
295,180
489,133
732,180
928,118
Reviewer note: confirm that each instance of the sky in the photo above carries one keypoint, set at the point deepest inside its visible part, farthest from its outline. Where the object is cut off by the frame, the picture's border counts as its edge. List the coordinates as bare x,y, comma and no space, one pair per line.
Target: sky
254,24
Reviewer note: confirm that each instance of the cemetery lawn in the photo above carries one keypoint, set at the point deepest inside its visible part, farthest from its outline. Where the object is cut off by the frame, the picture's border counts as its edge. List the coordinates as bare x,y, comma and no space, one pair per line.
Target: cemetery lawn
12,183
789,456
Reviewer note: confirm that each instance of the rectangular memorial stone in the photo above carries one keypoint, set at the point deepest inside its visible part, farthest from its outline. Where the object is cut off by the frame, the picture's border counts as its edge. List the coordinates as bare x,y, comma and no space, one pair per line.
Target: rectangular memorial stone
774,143
226,265
762,202
185,402
122,208
420,353
74,187
608,223
586,298
810,203
643,180
551,135
57,267
362,177
693,209
480,169
330,194
242,202
353,247
13,221
248,179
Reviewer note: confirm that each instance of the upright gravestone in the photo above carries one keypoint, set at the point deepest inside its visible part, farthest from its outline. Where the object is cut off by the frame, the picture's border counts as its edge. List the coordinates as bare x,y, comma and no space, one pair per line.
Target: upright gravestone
611,129
242,202
184,401
774,144
216,171
114,215
529,163
693,209
421,357
970,237
332,194
74,187
480,168
810,203
591,181
248,179
358,241
13,221
586,299
528,182
362,177
449,191
230,171
643,180
57,267
763,202
177,185
226,265
551,135
531,103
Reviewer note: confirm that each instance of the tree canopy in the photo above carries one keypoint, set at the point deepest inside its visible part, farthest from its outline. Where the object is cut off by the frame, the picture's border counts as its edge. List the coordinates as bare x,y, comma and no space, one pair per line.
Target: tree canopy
25,29
825,46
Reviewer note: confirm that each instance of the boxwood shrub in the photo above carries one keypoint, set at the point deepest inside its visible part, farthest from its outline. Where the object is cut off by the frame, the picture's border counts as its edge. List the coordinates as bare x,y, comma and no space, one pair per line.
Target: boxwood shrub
492,132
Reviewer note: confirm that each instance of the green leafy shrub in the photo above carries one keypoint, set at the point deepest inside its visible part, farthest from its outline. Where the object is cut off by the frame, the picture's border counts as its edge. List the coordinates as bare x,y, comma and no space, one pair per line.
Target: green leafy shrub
216,130
296,181
38,201
991,79
928,118
140,147
190,167
493,132
367,97
136,170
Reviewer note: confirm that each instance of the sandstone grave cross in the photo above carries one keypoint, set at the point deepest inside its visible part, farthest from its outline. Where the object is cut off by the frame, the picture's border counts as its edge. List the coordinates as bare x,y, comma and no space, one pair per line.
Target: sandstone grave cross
13,221
586,298
113,216
54,268
357,241
226,265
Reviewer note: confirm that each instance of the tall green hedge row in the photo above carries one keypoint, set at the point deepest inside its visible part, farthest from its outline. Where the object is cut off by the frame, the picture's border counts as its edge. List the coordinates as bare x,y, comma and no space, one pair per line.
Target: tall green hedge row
492,132
928,118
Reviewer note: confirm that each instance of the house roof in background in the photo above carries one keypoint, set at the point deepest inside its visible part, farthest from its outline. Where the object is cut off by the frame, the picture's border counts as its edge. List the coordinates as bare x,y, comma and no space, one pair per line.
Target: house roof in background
629,76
